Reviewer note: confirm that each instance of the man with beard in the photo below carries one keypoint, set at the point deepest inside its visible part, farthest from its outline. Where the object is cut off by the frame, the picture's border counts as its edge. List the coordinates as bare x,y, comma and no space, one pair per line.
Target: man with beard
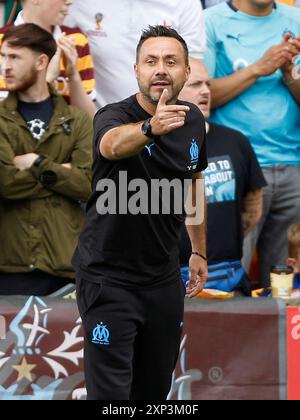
253,60
44,169
71,69
130,293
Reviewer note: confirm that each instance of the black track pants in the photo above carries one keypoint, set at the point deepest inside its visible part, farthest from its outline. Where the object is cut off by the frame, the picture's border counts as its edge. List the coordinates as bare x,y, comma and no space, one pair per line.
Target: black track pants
132,339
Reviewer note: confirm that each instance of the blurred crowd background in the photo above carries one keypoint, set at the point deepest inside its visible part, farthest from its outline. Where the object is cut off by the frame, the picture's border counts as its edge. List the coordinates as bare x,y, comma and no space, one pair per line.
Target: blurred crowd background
245,79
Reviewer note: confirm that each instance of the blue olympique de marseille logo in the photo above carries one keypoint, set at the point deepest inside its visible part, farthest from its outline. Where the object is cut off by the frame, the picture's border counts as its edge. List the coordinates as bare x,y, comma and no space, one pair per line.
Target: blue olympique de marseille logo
101,334
194,154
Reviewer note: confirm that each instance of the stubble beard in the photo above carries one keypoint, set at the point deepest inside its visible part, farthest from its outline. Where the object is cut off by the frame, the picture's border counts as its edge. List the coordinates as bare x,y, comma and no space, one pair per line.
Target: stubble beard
145,91
26,83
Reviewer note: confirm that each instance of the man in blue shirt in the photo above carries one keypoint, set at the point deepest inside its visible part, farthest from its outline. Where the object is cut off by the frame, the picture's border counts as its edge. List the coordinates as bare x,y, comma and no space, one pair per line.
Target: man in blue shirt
252,56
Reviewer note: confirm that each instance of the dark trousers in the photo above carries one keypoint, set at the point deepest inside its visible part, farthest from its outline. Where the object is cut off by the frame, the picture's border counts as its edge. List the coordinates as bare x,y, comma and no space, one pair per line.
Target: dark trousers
132,339
35,283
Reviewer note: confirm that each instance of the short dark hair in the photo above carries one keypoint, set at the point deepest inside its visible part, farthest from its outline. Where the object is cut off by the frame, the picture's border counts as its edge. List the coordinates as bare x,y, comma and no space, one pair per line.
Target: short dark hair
33,37
161,31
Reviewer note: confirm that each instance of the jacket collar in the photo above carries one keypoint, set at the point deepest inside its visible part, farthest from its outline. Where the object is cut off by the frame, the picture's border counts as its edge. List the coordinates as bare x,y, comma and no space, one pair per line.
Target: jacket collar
60,106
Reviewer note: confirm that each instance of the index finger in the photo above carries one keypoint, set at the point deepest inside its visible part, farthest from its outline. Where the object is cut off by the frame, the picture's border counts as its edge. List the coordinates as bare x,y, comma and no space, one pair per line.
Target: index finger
163,98
176,108
193,291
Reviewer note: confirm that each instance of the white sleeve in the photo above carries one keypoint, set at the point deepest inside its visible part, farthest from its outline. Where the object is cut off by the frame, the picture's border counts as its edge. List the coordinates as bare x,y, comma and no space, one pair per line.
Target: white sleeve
192,27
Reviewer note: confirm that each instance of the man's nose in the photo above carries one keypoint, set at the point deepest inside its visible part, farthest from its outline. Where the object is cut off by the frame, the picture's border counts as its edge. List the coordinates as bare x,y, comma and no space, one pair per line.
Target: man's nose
5,65
205,90
161,68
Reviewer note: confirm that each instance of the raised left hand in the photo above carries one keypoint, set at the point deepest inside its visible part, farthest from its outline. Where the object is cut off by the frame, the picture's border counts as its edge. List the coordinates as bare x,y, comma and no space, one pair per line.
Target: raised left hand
69,56
54,67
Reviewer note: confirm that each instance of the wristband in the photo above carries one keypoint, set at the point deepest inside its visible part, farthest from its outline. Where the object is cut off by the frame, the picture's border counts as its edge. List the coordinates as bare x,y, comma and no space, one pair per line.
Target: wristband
147,129
199,255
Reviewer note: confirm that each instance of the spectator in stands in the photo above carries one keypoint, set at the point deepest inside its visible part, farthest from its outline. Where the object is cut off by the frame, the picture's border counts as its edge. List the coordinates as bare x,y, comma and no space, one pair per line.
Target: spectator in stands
114,27
233,182
252,53
71,69
294,252
45,162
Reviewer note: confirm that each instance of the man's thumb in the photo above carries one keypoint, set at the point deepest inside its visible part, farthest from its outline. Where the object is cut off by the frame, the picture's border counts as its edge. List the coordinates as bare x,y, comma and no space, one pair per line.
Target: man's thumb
286,37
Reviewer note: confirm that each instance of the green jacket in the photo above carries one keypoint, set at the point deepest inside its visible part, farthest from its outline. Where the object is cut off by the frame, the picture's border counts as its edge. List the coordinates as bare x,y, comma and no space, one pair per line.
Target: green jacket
39,226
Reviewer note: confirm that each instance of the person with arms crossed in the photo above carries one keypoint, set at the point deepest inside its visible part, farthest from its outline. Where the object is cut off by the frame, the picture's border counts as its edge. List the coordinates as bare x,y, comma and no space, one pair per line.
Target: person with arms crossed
129,289
45,169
